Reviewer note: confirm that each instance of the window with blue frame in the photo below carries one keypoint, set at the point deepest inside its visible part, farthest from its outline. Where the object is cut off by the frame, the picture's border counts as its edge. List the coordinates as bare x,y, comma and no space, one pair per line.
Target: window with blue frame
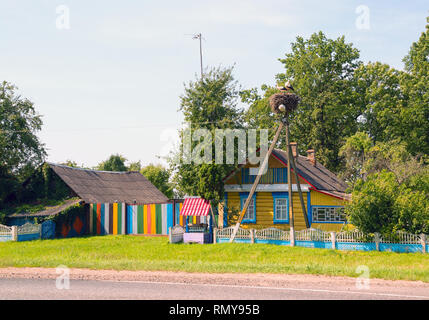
250,215
281,207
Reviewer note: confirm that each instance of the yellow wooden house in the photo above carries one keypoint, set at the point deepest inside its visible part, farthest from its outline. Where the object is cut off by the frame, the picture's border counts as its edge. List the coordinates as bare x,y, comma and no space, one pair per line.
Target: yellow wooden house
324,195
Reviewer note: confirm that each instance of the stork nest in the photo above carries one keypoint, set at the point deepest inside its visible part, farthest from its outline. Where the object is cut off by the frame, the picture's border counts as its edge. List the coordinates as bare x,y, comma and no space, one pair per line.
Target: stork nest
289,100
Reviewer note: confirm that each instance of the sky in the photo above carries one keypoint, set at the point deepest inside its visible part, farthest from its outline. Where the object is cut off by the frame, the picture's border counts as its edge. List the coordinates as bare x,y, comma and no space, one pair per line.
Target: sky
107,75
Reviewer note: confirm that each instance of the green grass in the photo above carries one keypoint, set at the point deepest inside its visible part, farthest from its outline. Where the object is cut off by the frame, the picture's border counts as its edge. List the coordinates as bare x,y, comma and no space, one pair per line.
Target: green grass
144,253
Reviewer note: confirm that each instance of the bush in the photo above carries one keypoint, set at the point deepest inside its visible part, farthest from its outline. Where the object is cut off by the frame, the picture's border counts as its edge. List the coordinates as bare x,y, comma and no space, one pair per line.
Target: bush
382,204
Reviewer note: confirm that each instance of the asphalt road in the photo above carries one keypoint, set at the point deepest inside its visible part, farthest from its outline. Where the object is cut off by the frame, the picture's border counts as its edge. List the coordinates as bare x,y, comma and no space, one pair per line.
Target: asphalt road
17,288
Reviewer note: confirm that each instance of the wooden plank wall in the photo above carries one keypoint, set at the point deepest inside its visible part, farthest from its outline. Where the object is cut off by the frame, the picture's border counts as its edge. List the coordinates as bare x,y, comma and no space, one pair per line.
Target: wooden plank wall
120,218
265,211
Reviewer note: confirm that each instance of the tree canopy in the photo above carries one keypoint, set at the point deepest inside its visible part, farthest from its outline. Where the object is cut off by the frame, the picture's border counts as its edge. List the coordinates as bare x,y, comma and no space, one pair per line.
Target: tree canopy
209,103
115,162
160,178
21,149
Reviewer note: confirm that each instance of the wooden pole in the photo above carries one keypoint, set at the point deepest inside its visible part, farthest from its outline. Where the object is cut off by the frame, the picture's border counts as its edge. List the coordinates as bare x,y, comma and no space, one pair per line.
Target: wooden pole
304,210
255,184
289,179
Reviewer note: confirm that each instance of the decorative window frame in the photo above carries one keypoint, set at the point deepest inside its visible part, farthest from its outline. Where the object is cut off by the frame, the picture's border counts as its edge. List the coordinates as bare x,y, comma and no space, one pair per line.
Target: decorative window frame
327,206
243,197
280,195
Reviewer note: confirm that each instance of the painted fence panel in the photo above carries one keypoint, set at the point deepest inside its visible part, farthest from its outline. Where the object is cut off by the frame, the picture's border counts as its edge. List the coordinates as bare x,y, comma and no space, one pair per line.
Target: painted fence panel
29,232
120,218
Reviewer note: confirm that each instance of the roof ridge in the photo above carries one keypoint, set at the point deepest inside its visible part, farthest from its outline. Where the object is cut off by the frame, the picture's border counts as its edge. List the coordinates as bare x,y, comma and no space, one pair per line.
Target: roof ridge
92,170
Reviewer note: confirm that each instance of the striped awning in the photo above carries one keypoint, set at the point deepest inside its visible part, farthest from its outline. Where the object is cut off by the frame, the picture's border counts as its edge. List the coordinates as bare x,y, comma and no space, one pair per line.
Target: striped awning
195,207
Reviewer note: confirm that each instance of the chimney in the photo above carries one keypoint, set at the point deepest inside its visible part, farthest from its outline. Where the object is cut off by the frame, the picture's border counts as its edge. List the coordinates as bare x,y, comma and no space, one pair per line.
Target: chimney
311,155
294,147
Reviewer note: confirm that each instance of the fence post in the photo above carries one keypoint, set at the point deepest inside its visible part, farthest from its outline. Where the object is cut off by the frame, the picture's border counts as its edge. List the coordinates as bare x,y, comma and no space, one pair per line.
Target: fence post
423,240
333,240
377,241
215,235
292,236
14,233
170,236
40,231
252,235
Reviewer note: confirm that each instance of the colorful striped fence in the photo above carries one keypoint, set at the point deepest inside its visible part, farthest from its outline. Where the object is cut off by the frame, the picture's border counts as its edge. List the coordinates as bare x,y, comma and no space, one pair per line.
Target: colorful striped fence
120,218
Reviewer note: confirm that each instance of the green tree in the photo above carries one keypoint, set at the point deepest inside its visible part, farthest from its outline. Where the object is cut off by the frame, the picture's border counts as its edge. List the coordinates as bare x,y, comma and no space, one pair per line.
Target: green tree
415,85
355,152
160,178
20,149
321,71
208,103
115,162
379,97
135,166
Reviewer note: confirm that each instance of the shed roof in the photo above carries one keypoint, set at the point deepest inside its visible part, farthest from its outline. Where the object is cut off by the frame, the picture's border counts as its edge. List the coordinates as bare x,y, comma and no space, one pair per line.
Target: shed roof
108,186
49,211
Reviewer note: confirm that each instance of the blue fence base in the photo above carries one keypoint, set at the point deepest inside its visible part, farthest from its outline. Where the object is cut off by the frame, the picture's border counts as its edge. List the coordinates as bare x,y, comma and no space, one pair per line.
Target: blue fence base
397,247
29,237
359,246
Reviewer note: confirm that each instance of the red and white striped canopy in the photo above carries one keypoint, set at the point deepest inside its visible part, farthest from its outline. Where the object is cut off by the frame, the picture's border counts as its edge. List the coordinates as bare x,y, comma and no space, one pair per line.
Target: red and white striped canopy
195,207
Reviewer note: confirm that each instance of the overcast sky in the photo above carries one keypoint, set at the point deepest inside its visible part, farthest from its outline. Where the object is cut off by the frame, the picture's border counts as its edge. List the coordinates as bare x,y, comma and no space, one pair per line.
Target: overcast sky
110,83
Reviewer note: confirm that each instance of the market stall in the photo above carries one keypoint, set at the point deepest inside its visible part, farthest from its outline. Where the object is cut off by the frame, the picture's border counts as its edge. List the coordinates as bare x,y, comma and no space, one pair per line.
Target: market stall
199,220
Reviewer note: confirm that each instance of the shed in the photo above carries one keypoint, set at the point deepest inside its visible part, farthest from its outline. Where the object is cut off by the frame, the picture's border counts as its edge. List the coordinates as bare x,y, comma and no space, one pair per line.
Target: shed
112,202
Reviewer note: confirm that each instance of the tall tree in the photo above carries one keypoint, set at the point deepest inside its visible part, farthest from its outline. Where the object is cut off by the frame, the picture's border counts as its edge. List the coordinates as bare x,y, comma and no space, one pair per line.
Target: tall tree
20,149
159,176
208,103
415,85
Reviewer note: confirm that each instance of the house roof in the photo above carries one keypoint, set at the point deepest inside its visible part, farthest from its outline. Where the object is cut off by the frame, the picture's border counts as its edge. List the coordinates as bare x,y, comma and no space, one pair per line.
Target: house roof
49,211
108,186
317,175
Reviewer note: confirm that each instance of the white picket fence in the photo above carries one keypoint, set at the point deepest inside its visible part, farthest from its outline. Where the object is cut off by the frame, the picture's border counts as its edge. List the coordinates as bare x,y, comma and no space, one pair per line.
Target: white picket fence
354,237
346,238
28,231
312,235
272,234
5,233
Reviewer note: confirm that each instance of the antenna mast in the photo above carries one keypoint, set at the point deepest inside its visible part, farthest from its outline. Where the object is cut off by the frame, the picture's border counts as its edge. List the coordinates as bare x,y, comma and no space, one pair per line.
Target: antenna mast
199,36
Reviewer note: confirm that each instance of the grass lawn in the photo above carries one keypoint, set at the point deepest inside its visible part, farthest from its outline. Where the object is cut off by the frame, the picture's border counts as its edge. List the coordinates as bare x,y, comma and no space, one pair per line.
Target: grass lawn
145,253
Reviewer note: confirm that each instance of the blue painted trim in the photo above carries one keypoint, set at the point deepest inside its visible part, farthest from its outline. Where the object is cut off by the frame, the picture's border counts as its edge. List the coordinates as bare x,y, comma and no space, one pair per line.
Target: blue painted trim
243,197
129,227
309,211
225,211
280,195
169,216
102,231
